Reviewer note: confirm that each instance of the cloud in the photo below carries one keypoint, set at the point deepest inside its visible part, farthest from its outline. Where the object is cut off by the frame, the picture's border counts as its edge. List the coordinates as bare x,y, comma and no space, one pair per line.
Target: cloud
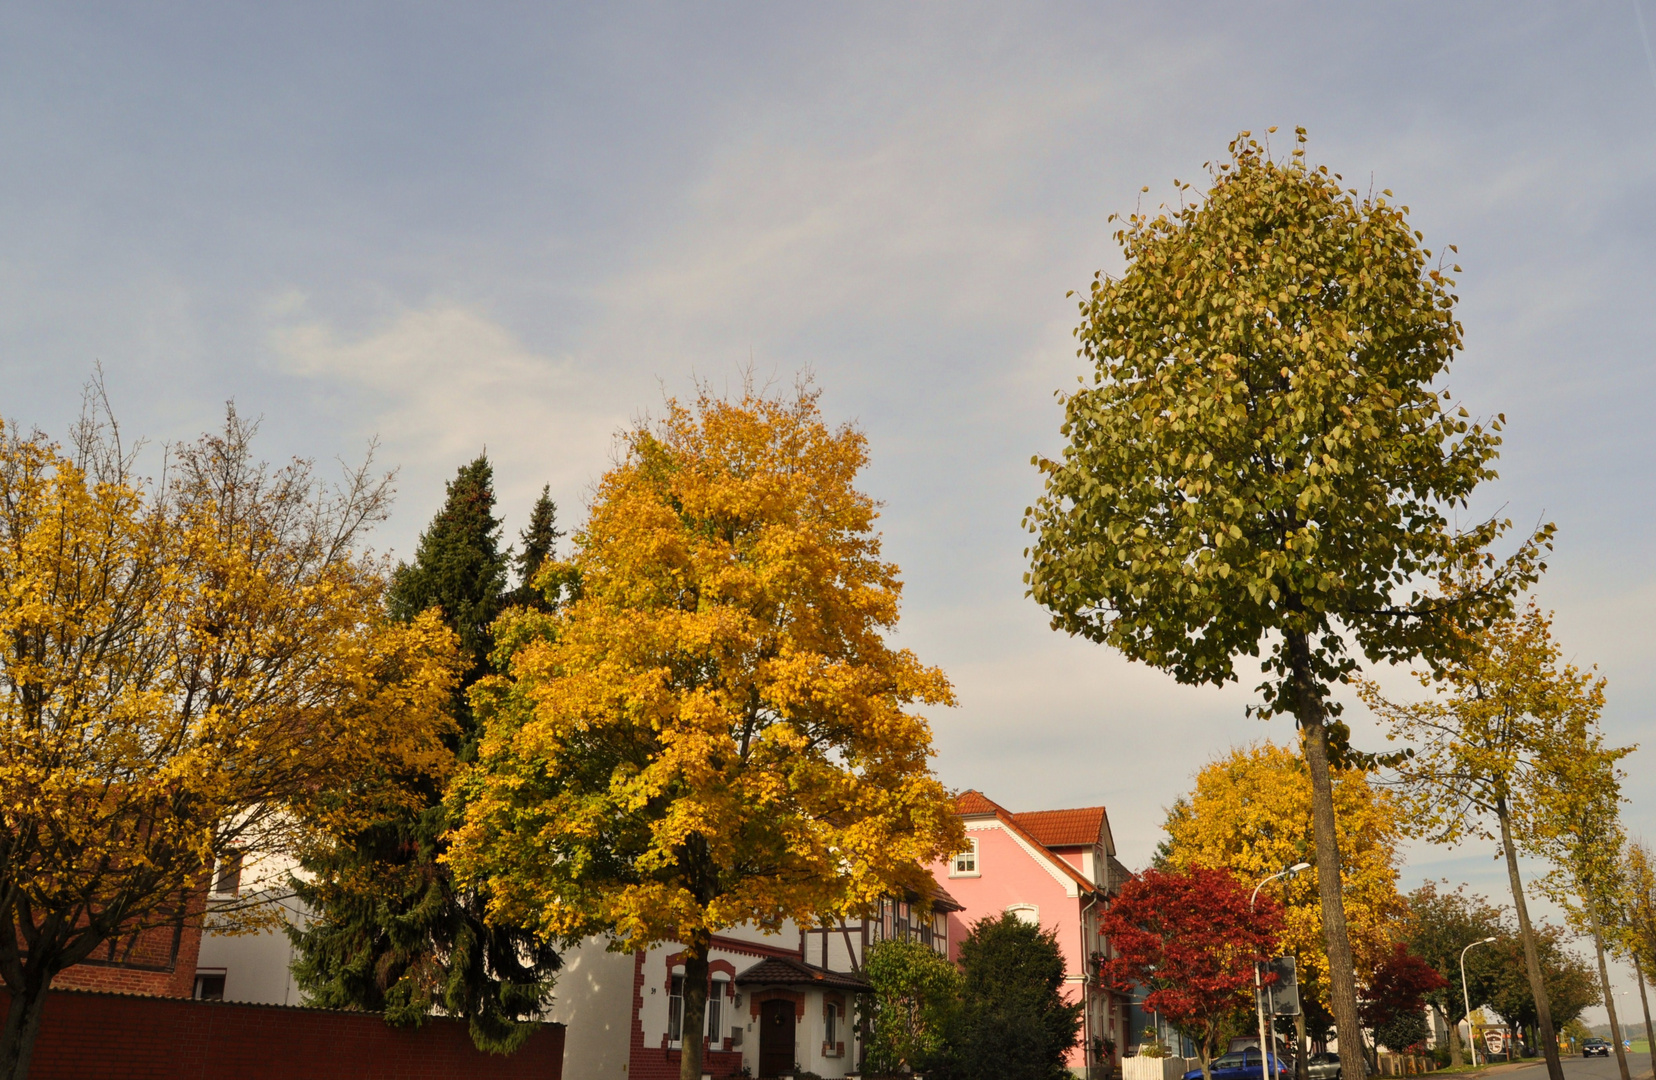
440,383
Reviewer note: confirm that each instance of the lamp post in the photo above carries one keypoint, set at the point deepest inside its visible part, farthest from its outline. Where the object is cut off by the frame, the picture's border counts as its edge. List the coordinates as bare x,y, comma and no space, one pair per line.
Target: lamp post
1259,983
1466,998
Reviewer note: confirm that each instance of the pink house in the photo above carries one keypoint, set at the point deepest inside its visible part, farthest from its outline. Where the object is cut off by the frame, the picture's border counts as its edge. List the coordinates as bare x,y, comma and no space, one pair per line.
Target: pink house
1055,868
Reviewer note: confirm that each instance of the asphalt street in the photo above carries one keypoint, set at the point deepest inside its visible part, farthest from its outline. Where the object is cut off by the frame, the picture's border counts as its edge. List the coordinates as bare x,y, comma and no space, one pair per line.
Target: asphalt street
1580,1068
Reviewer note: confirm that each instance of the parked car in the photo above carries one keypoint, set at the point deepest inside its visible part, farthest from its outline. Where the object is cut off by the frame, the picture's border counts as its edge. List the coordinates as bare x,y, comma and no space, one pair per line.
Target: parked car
1595,1048
1323,1066
1243,1065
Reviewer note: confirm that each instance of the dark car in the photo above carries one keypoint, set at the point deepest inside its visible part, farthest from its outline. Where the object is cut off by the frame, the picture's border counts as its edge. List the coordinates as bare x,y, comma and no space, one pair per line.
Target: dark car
1242,1065
1595,1048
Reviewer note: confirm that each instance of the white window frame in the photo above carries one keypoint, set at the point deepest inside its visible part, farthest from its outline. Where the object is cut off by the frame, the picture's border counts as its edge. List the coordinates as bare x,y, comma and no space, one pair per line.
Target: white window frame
971,857
675,981
1029,913
715,1008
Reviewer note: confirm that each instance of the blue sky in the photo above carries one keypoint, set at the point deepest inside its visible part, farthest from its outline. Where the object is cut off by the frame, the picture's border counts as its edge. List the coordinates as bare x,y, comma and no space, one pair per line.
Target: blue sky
517,226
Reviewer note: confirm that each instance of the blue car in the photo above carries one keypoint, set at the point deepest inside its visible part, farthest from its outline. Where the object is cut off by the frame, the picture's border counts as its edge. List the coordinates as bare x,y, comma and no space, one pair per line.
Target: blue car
1242,1065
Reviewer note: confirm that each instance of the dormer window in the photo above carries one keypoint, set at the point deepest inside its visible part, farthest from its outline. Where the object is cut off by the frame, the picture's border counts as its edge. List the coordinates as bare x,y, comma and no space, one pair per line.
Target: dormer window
965,864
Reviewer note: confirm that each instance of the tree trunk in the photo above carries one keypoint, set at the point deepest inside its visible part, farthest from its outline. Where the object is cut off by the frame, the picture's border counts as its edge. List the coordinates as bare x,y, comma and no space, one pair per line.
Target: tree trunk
695,1008
1532,964
17,1040
1604,981
1342,983
1455,1054
1644,1002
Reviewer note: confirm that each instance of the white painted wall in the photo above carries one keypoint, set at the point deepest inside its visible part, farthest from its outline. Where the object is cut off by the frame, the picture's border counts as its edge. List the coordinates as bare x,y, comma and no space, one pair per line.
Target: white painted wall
593,1000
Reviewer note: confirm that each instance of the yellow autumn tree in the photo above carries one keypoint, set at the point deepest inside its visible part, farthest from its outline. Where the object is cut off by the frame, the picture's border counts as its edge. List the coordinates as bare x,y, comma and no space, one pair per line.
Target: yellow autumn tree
188,672
1250,813
710,729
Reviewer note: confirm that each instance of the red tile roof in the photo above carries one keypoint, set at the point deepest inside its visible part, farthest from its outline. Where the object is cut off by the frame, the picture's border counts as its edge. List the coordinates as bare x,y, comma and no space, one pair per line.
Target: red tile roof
1064,828
976,804
972,803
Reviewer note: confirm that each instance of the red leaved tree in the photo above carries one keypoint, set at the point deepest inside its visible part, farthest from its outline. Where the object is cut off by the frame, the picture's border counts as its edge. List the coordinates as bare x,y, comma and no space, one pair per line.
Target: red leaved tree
1394,1005
1191,940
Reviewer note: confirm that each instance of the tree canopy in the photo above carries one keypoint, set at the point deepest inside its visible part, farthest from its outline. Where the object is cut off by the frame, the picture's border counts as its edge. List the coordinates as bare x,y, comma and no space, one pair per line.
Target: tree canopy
1264,462
1250,812
191,671
712,729
1440,926
1191,938
390,930
1012,1022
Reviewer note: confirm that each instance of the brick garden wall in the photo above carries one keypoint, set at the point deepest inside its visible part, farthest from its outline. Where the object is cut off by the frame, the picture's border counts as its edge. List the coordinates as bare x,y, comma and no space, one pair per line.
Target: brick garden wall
148,1038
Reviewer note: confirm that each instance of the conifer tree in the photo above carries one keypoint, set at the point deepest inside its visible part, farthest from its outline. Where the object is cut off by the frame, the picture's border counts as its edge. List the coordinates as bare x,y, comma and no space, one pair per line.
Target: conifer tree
391,931
540,542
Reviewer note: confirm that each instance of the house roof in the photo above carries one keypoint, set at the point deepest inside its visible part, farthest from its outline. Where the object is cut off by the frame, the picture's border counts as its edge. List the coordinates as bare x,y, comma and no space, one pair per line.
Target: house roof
976,804
1064,828
776,971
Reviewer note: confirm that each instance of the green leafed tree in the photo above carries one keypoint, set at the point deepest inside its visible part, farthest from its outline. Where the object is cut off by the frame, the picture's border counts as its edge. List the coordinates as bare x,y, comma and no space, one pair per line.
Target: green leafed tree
1570,984
1440,926
1263,462
391,930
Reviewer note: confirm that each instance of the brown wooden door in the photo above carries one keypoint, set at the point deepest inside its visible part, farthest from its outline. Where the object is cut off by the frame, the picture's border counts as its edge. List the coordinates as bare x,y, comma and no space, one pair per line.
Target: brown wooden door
776,1038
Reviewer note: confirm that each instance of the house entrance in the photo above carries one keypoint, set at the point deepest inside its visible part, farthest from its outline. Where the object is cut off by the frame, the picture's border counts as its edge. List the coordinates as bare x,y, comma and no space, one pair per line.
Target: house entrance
776,1038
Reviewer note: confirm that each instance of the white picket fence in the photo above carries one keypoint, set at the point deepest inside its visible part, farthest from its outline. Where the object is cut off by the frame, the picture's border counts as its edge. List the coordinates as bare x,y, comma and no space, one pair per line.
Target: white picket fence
1149,1068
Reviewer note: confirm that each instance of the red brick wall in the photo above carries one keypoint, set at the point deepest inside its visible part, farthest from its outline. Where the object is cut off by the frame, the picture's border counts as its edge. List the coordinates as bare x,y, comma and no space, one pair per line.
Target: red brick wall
148,1038
159,962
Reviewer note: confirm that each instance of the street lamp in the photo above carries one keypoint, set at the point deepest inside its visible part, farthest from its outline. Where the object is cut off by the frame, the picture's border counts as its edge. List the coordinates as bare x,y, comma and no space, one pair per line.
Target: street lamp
1259,984
1472,1038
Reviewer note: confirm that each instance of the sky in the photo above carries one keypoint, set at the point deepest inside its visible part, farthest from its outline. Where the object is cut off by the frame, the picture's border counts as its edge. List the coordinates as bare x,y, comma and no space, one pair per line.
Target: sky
518,227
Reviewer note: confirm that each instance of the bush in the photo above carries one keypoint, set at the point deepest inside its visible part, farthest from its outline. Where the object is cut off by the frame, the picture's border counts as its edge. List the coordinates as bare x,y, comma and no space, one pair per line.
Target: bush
1012,1023
915,991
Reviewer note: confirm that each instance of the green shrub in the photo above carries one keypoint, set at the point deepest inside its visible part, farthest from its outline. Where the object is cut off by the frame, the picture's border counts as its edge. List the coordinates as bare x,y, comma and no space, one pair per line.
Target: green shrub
1012,1022
915,991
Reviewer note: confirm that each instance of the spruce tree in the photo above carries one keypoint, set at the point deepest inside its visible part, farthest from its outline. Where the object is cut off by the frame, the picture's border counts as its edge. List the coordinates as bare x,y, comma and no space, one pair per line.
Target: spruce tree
540,542
390,930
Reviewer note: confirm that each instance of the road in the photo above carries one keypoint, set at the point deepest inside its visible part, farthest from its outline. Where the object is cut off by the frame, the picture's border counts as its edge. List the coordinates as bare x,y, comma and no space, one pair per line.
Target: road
1580,1068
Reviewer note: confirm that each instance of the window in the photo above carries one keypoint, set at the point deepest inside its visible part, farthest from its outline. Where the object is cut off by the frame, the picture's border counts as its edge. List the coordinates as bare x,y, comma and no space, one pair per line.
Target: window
227,874
675,1009
830,1026
966,863
940,932
1026,912
715,1012
209,986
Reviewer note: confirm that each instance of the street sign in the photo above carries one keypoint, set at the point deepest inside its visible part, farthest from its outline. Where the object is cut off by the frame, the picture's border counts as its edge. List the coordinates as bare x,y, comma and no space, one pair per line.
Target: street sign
1282,996
1496,1041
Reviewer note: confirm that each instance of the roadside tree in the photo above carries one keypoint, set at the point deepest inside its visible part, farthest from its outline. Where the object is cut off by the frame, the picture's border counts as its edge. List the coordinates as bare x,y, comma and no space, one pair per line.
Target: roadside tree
1502,709
712,730
1638,936
1250,812
193,672
1574,804
1190,938
1394,1001
1571,985
1439,928
1265,461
